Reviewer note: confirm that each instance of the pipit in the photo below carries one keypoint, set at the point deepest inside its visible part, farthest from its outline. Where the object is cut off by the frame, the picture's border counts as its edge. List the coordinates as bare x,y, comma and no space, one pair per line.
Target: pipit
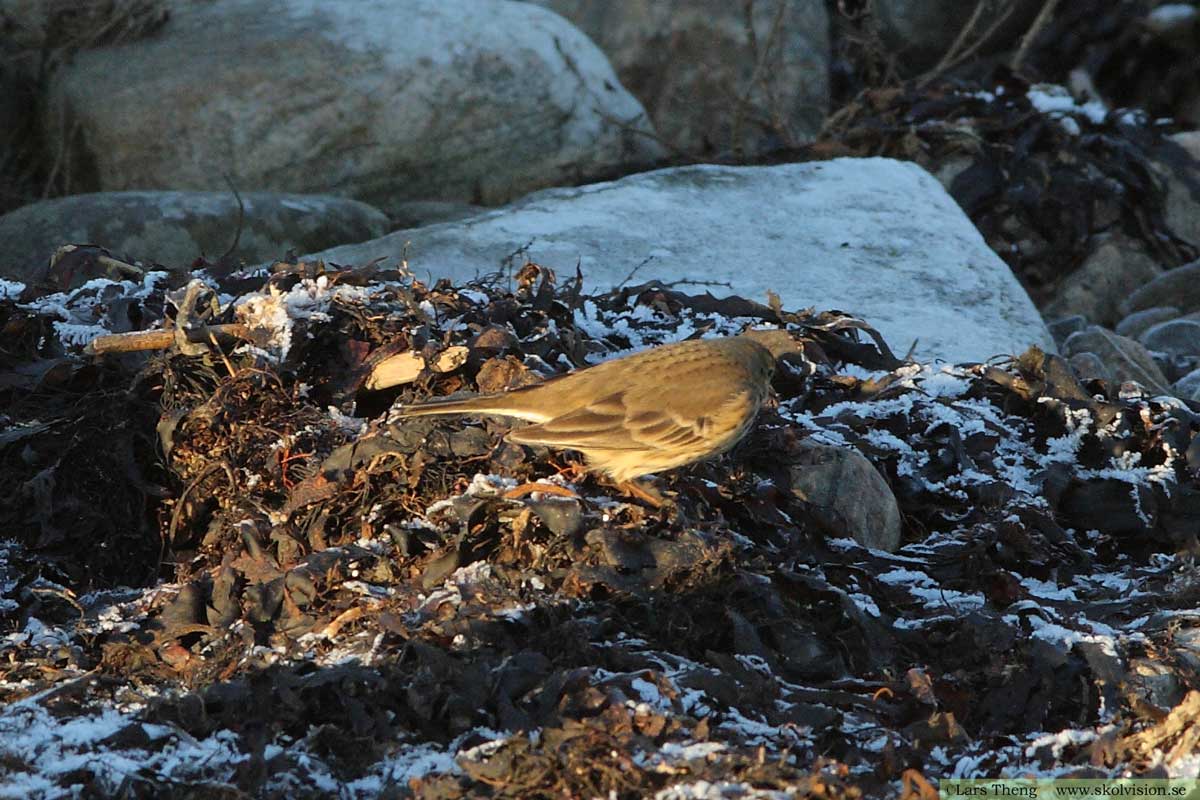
651,411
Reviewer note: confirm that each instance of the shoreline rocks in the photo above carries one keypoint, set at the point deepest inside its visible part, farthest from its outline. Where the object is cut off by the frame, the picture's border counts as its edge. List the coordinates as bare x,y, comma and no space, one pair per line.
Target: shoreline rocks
875,235
475,102
175,228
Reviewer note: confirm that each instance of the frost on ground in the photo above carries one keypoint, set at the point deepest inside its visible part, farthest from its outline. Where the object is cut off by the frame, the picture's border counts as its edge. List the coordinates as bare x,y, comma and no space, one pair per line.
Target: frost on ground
232,572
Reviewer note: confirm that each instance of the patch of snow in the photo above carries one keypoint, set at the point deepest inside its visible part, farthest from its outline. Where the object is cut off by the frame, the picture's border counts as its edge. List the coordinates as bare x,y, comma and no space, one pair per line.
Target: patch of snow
1056,101
40,751
9,290
720,790
1173,15
1047,590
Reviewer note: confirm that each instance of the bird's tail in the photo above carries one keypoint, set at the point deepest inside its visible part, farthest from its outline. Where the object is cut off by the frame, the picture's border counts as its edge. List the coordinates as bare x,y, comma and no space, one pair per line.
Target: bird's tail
500,405
444,405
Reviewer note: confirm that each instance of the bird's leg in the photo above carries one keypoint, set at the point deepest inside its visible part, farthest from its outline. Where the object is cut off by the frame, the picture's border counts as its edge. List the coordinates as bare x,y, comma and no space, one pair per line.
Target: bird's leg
644,492
545,488
573,471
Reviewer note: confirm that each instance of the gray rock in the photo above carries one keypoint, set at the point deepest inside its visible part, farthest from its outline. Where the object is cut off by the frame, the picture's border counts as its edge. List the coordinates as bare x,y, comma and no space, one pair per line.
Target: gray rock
1187,387
382,100
847,494
418,213
1179,287
174,228
1180,171
694,66
1189,141
1089,367
1063,327
1185,649
875,237
1155,683
1138,322
1115,268
951,167
1176,338
1125,359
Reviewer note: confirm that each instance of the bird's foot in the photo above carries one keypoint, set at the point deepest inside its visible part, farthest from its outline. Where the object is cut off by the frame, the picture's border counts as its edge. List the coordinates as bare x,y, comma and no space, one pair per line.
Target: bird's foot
572,472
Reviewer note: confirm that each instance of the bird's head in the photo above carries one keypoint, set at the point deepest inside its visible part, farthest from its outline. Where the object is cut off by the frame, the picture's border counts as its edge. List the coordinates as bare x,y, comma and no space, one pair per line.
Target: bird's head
778,343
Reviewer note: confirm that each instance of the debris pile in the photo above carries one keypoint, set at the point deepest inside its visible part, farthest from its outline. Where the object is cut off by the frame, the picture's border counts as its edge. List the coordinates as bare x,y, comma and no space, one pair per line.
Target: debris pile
1137,54
1044,176
225,569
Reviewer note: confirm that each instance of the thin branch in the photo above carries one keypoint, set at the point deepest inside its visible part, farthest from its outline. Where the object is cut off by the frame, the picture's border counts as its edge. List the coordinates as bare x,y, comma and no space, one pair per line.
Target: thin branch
1039,22
237,236
959,41
951,59
160,339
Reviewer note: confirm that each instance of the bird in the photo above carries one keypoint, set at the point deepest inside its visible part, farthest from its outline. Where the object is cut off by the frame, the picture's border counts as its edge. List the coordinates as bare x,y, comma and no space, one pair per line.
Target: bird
654,410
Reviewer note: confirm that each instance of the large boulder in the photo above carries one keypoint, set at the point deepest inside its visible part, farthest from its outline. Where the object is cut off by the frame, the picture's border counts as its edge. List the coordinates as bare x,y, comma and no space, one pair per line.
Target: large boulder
716,75
175,228
380,100
875,237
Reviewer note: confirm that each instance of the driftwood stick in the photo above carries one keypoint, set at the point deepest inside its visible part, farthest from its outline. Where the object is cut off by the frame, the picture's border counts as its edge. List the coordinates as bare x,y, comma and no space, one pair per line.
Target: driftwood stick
160,339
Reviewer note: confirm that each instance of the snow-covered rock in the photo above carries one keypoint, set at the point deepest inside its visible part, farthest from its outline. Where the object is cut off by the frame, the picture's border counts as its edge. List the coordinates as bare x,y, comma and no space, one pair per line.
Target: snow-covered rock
874,237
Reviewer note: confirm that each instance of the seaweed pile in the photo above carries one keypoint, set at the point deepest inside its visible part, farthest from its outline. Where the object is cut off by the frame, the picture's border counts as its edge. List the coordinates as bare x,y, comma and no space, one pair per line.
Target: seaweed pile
224,571
1040,174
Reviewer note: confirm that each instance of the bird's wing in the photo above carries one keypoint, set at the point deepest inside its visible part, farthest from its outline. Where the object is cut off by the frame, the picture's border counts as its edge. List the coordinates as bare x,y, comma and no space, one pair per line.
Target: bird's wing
608,423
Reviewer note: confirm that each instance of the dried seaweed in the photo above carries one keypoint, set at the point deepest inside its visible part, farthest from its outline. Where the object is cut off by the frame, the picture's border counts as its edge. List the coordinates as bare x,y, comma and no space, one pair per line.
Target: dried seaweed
328,592
1039,191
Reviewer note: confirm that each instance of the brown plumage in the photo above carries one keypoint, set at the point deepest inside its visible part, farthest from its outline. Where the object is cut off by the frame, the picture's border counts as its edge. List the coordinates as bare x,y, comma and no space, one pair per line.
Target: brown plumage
650,411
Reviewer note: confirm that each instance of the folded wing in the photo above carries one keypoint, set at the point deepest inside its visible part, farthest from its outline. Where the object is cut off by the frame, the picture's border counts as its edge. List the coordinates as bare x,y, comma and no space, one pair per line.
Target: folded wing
613,423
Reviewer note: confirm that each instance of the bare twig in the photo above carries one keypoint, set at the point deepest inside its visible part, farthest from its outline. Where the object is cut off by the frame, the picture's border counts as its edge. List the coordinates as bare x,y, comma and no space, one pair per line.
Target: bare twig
212,338
986,36
875,63
692,282
61,157
633,271
626,126
160,339
958,53
237,235
960,41
760,55
1039,22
